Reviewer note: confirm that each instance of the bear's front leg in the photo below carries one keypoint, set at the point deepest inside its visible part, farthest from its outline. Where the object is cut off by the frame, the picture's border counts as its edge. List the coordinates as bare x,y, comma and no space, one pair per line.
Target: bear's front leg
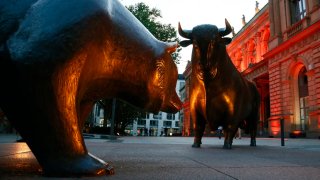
54,136
70,157
49,121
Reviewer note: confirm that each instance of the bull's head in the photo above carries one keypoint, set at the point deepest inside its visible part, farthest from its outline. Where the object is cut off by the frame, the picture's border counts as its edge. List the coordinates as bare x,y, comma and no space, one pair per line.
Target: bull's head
208,45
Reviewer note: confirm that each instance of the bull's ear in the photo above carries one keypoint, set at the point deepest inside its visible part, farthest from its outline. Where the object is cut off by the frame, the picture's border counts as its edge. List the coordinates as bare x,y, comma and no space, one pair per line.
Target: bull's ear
185,43
226,40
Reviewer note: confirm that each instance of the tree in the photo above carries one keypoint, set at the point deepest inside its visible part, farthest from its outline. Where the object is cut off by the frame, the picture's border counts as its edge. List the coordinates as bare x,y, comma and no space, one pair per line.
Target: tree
125,114
148,17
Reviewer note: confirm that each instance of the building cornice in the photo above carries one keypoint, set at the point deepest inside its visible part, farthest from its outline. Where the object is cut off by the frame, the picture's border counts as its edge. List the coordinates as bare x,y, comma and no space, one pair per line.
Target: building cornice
261,16
303,34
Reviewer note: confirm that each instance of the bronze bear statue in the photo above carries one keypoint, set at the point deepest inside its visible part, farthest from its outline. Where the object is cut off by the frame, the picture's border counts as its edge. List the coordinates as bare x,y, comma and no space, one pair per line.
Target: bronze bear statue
58,57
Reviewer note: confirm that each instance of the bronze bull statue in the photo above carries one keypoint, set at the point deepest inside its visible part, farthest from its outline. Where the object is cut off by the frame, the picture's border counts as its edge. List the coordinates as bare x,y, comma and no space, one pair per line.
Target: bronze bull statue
58,57
219,95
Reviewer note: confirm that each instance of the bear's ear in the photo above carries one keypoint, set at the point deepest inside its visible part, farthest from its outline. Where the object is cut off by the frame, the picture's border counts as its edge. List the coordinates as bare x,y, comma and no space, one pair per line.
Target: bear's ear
185,43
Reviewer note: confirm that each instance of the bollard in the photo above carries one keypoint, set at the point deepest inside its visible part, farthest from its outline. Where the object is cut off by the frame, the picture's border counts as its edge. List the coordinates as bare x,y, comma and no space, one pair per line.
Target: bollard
282,130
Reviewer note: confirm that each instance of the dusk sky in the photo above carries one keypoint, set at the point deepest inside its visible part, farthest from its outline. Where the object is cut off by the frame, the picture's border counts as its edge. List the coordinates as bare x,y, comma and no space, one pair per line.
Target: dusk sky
191,13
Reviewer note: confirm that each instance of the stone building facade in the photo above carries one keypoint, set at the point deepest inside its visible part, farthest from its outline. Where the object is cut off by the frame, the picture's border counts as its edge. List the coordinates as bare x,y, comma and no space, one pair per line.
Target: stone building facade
279,49
294,66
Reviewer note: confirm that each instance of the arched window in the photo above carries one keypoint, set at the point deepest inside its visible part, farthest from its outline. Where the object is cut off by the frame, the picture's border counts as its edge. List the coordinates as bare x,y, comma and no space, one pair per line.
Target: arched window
303,97
303,83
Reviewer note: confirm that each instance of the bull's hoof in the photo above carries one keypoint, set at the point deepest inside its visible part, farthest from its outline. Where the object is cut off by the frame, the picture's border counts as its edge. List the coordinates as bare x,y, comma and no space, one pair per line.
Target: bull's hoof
196,145
227,146
253,143
86,165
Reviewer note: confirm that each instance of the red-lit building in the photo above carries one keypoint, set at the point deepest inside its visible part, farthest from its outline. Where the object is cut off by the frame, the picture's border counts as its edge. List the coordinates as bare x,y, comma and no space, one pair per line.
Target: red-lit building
279,49
247,51
187,127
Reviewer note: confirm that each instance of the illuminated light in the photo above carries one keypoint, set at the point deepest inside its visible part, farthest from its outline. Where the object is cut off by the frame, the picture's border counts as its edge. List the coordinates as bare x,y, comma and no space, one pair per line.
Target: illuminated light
24,155
20,148
296,132
275,128
275,133
21,151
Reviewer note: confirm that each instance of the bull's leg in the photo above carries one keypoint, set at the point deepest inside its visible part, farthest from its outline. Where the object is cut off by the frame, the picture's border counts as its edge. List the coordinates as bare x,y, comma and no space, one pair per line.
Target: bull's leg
228,137
255,116
253,123
199,127
253,139
253,133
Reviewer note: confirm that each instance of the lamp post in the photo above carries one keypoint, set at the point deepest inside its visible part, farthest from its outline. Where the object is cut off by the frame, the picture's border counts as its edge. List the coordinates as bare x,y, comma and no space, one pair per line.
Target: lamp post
282,130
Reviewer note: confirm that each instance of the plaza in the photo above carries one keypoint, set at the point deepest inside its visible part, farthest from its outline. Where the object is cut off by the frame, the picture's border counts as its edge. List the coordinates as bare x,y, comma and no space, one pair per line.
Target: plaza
174,158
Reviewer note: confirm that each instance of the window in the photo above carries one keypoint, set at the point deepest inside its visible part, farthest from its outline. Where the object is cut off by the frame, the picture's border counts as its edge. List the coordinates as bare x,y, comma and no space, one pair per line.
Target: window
154,123
170,116
157,116
177,124
167,123
303,98
144,115
141,122
298,10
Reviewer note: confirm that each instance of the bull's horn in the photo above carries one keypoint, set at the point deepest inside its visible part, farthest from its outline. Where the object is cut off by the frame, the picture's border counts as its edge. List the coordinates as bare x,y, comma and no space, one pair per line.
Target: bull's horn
225,31
184,33
171,47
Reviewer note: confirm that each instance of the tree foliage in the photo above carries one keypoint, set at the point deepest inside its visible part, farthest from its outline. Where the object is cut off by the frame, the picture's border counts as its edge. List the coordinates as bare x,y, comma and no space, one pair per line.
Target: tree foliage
149,18
125,115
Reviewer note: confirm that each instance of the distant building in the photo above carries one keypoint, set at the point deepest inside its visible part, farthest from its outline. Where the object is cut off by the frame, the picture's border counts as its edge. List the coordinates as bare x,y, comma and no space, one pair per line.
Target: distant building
187,128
